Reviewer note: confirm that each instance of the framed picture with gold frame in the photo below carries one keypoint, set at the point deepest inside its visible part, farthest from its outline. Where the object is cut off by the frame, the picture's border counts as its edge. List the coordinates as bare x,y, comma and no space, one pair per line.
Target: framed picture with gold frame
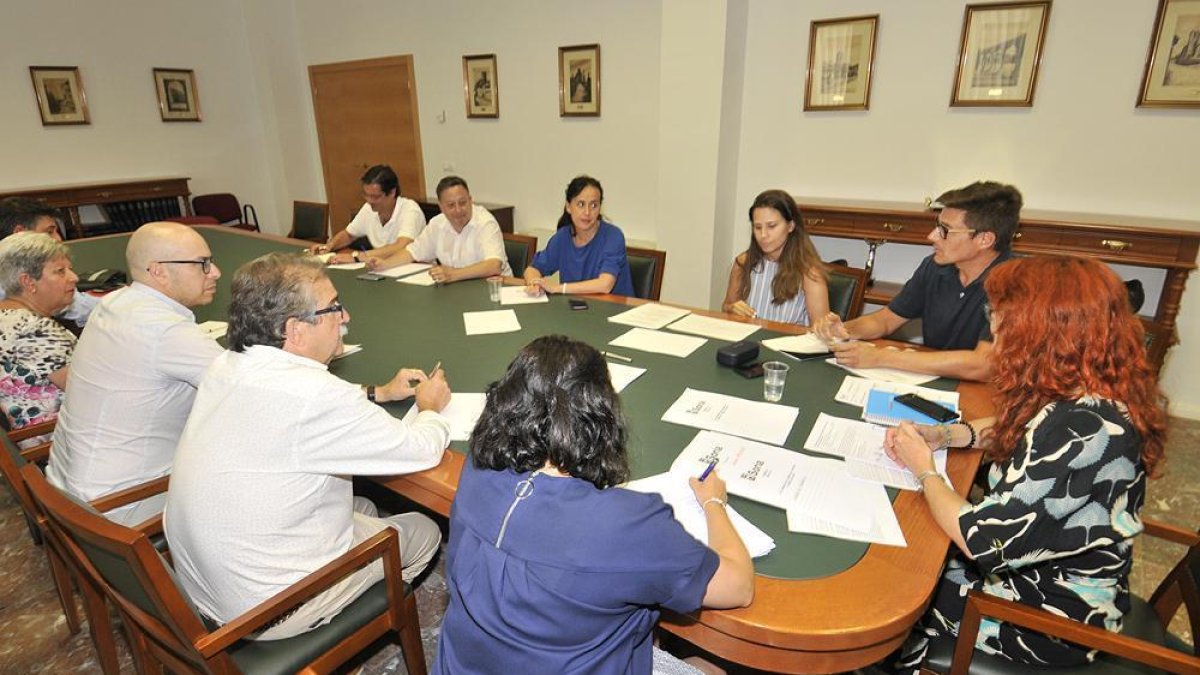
59,94
481,85
999,54
840,55
579,81
1172,78
177,97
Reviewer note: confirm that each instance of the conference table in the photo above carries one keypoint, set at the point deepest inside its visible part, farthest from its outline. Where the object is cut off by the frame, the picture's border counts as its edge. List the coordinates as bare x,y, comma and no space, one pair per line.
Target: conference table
821,604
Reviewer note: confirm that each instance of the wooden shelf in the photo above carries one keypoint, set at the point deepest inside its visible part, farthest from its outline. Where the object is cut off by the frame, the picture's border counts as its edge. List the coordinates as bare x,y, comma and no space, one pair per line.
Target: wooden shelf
128,203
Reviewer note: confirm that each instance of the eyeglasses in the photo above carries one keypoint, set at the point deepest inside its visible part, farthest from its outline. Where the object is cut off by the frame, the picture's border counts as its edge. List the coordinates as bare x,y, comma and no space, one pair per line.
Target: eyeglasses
944,230
205,263
335,307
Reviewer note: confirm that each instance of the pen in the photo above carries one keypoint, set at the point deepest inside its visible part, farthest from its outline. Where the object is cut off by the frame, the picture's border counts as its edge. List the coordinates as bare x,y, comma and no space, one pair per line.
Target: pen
711,465
618,357
435,369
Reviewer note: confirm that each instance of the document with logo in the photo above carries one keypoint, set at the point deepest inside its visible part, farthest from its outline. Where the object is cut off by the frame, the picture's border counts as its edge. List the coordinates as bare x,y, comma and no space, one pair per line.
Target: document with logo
757,471
766,422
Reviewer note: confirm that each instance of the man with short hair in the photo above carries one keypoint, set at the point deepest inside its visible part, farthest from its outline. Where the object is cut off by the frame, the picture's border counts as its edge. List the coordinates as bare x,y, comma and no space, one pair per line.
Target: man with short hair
386,218
21,214
261,494
463,242
973,233
135,371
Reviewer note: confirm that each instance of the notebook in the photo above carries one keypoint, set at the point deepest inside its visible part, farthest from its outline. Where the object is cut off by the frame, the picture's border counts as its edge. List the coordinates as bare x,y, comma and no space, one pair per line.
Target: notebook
881,408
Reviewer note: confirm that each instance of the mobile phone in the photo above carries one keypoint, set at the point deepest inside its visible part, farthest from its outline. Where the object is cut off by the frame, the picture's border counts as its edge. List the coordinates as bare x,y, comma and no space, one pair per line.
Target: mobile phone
577,304
751,371
370,276
924,406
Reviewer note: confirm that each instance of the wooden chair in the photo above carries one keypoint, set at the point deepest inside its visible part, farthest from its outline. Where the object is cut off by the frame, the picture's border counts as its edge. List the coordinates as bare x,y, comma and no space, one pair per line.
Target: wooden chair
310,221
167,631
646,266
519,248
1143,639
1158,339
226,209
847,287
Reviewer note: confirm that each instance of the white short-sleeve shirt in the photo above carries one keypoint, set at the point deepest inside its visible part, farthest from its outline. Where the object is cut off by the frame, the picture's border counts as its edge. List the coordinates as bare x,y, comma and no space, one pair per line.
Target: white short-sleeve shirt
479,240
407,221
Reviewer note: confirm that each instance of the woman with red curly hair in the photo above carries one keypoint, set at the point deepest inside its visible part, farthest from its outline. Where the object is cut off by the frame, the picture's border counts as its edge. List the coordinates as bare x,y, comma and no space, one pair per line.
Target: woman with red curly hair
1080,424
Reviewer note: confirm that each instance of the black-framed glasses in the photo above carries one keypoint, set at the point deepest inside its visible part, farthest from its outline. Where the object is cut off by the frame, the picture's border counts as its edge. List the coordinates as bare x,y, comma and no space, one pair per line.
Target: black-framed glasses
944,230
205,263
335,307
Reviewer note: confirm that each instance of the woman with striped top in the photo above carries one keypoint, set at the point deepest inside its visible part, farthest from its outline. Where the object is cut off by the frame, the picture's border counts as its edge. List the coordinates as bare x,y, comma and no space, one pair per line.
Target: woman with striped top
780,277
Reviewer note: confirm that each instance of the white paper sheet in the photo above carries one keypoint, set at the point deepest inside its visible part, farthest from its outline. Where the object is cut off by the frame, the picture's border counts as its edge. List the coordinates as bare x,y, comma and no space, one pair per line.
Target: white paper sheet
766,422
622,375
832,495
808,343
854,391
348,266
721,329
676,492
422,279
886,374
462,412
214,329
649,315
870,501
861,443
404,270
658,342
757,471
347,350
516,295
492,321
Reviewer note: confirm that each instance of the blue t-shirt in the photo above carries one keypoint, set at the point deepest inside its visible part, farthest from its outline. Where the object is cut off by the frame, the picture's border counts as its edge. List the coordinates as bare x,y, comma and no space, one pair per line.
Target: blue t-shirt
604,253
951,315
570,584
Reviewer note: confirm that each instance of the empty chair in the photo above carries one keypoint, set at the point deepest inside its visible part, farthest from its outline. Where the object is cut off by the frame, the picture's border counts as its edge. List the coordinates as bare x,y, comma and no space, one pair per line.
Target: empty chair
646,266
847,287
226,209
519,248
310,221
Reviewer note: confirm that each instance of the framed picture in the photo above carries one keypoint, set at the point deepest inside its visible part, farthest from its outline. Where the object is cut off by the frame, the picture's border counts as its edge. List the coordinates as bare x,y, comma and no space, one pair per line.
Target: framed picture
481,88
999,55
177,98
60,97
1172,78
840,55
579,81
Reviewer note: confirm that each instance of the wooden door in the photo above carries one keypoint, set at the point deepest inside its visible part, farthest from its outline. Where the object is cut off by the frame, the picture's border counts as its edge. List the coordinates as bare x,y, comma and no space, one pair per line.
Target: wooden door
366,114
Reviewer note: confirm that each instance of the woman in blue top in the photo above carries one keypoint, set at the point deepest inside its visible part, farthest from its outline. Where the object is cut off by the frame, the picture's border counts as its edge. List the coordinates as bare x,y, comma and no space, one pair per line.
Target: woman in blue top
587,251
780,277
551,567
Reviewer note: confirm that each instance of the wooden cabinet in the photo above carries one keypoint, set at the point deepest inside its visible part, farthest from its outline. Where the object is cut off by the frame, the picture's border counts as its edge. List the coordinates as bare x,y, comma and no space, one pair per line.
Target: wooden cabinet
1169,245
127,203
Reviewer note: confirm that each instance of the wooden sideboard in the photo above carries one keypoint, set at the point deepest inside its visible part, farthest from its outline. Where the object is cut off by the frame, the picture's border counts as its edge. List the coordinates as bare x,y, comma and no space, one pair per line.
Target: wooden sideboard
127,203
1169,245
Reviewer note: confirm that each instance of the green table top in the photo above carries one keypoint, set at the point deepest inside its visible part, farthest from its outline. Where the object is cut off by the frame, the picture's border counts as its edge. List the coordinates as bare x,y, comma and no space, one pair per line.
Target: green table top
403,325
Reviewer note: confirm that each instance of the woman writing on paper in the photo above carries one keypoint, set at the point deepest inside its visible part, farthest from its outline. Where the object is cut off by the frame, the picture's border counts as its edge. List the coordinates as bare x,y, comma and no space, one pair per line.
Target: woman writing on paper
587,251
780,277
1080,425
552,568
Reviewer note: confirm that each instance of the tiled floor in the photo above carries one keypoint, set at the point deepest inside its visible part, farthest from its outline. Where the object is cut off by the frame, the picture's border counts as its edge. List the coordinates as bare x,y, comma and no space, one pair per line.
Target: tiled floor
34,639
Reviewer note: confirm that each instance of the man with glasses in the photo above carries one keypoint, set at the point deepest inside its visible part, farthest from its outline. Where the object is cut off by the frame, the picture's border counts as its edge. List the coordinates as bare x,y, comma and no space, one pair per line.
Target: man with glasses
261,493
386,218
135,371
973,233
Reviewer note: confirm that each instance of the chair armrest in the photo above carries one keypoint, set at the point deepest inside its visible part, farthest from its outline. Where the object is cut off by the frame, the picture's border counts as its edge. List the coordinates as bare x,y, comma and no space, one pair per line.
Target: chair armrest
38,454
981,604
1171,533
130,495
384,545
32,430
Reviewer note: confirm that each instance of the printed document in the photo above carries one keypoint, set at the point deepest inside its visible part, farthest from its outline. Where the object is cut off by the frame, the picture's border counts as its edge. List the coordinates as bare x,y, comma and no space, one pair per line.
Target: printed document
721,329
659,342
874,518
676,492
766,422
886,374
404,270
861,443
516,295
808,343
492,321
650,315
462,412
854,391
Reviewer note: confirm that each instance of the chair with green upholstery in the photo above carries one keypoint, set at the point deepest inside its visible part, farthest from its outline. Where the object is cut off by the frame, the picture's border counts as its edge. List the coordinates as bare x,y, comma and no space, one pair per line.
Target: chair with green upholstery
1143,646
167,632
520,249
646,266
310,221
847,287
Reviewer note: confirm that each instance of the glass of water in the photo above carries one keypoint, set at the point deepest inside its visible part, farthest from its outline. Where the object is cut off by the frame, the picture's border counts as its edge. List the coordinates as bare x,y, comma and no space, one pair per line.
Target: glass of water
774,377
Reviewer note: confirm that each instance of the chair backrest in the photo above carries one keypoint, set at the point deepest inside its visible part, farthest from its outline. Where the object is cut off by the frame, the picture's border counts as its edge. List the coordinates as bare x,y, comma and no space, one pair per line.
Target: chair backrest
224,207
1157,340
847,286
646,266
11,462
519,248
310,221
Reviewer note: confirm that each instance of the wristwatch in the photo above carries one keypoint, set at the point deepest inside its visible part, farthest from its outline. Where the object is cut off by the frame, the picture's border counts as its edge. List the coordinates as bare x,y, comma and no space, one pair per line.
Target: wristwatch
371,393
354,254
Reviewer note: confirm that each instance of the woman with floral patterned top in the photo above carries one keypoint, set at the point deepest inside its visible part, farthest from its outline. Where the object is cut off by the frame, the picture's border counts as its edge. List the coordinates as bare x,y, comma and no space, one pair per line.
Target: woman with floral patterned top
1080,425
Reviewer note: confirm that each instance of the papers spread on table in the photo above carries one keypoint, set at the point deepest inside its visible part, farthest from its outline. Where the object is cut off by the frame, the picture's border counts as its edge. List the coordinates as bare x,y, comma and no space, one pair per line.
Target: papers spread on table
422,279
404,270
861,443
767,422
676,492
461,412
757,471
622,375
721,329
649,315
347,350
659,342
516,295
886,374
492,321
348,266
214,329
845,508
808,343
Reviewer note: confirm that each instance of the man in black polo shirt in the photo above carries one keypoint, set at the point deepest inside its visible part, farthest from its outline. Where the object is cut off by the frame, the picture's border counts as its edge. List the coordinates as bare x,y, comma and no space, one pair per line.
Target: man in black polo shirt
973,234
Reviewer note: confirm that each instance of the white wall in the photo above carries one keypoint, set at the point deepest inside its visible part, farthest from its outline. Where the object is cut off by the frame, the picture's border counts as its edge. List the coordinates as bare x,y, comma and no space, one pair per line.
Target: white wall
116,47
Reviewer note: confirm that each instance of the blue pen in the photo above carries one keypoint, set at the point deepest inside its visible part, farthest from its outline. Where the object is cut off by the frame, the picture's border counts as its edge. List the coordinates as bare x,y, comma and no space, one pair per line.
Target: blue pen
711,465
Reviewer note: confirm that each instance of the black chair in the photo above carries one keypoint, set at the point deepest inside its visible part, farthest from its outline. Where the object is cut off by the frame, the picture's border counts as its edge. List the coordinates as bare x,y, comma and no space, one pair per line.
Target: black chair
519,248
646,266
226,209
847,287
1143,640
310,221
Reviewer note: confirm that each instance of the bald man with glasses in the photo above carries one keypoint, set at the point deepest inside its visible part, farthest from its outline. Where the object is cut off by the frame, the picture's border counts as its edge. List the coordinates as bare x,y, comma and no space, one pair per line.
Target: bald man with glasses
135,371
972,233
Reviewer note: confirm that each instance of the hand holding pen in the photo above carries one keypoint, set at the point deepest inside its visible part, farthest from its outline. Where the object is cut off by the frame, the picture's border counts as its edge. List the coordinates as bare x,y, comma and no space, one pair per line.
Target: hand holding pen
709,487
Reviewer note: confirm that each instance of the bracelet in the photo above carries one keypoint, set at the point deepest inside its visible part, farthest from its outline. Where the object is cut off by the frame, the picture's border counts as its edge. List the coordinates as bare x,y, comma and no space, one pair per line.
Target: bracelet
974,438
926,474
563,289
710,500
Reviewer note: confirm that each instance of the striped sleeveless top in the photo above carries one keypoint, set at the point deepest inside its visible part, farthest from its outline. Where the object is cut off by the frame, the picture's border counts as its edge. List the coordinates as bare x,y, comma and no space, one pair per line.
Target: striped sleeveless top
791,311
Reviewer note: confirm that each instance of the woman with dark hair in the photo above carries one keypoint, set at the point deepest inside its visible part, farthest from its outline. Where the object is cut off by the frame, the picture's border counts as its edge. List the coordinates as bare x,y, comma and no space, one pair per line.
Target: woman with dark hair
552,568
1080,425
587,251
780,277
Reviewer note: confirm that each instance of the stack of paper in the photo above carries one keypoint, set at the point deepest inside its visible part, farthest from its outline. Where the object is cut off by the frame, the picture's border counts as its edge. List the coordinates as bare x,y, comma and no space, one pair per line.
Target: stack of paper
676,492
462,412
721,329
861,443
769,422
650,315
808,343
658,342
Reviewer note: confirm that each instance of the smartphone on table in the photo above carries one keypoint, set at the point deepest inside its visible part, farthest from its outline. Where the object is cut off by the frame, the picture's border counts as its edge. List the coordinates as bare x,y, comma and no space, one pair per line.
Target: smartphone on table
924,406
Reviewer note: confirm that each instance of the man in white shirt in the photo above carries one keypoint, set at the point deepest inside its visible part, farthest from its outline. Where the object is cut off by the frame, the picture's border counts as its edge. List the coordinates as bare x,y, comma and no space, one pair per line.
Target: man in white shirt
386,218
135,371
464,242
20,214
261,494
